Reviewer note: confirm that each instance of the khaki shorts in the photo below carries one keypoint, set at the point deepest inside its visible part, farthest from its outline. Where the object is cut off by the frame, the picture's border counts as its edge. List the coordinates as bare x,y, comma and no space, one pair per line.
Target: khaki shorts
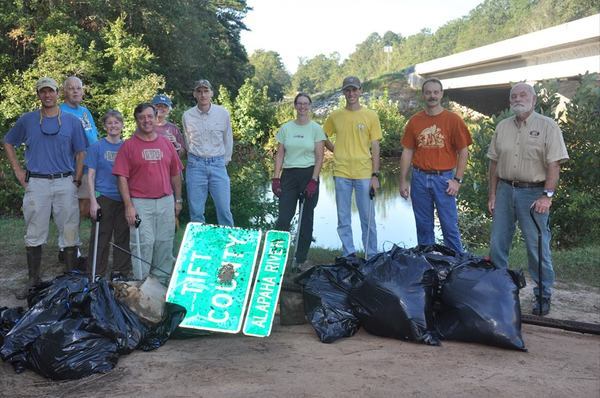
83,190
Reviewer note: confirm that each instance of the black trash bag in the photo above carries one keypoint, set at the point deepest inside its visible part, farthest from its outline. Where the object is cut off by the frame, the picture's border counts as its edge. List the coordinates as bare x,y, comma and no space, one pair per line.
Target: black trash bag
159,334
395,297
442,258
46,312
67,350
8,319
480,303
326,302
113,319
74,281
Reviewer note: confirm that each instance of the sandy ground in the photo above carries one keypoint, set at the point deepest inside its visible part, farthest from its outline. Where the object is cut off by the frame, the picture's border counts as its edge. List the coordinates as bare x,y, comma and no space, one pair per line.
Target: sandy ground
293,363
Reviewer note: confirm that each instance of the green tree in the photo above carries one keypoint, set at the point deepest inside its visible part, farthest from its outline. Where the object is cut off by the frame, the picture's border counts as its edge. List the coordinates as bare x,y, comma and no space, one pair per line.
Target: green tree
317,74
269,71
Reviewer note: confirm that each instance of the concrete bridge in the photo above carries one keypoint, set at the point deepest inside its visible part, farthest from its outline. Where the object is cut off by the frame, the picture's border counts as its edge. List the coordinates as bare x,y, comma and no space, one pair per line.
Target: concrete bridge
481,78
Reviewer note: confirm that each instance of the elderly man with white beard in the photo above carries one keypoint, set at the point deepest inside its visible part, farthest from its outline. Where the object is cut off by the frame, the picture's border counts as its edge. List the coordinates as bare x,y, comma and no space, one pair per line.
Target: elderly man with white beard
525,156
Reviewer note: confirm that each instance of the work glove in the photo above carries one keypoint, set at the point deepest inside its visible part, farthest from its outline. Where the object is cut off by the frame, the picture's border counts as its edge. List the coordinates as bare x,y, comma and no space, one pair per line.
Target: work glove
311,188
276,187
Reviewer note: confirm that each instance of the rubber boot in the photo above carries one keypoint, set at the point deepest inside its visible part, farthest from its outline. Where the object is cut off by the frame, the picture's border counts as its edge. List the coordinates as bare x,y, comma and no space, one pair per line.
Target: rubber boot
34,263
71,260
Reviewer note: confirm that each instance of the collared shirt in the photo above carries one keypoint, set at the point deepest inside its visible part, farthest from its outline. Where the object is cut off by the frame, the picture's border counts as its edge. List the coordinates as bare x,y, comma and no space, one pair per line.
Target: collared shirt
208,134
523,153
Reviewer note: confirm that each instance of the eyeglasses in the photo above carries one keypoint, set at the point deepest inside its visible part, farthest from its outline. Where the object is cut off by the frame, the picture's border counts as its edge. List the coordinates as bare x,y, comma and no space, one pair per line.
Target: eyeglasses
42,127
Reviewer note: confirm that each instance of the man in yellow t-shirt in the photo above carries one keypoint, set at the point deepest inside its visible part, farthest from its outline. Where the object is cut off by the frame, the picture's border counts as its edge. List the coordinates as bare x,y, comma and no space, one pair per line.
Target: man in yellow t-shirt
357,132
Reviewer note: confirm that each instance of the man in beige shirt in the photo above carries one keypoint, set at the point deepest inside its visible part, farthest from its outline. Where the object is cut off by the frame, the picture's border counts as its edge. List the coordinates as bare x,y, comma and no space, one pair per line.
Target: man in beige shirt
525,156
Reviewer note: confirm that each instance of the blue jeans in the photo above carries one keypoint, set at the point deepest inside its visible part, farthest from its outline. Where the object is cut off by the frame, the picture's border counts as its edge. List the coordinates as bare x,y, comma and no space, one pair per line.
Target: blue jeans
512,205
204,176
343,201
427,191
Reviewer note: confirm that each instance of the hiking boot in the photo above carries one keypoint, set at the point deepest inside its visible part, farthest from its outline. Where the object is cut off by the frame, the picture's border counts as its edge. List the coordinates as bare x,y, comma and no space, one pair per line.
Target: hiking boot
34,262
545,307
71,260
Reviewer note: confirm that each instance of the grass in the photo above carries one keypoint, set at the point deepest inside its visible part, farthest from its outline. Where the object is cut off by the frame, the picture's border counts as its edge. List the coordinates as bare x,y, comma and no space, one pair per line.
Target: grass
576,265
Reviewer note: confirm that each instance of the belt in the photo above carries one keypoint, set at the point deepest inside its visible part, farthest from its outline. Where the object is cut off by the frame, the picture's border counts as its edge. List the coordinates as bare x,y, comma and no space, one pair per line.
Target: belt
520,184
50,176
436,172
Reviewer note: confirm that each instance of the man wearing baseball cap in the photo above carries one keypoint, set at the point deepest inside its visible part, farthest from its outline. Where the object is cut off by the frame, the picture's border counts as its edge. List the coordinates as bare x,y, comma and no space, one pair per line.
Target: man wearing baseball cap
163,105
209,137
50,179
357,132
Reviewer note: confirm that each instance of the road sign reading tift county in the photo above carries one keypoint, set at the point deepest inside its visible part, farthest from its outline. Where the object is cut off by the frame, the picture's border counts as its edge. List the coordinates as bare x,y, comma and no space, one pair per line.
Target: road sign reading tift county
213,276
265,294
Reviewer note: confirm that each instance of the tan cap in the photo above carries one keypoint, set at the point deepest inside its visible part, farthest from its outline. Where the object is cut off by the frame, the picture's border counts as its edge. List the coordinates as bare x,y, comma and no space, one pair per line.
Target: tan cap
351,81
46,82
203,83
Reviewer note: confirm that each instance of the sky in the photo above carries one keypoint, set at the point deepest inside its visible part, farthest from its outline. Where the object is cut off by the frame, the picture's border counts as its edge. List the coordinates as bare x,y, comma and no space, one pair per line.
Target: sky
307,28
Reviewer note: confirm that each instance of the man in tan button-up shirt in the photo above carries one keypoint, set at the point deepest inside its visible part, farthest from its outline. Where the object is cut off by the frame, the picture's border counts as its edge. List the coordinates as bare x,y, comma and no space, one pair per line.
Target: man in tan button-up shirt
525,156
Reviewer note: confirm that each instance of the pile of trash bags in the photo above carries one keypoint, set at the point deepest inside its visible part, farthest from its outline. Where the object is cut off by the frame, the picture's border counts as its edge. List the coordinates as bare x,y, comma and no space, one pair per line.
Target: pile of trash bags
425,294
74,328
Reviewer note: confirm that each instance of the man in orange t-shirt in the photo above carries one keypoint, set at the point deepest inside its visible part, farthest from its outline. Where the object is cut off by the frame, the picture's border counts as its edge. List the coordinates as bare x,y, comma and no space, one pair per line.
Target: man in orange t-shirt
435,141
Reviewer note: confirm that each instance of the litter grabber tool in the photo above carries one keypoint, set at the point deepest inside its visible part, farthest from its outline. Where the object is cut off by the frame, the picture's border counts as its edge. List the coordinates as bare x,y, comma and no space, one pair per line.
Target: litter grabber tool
297,238
95,259
371,196
137,258
540,296
137,268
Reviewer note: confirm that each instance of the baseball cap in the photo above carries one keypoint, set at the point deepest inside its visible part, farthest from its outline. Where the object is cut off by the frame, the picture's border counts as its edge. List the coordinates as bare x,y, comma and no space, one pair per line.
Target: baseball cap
203,83
162,99
351,81
46,82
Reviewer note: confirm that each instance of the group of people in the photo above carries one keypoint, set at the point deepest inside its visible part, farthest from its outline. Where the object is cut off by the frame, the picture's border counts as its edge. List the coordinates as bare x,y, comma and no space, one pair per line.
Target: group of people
141,178
525,156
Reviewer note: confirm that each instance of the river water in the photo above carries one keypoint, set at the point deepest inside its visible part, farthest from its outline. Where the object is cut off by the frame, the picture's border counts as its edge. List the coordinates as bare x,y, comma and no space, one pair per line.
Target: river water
393,214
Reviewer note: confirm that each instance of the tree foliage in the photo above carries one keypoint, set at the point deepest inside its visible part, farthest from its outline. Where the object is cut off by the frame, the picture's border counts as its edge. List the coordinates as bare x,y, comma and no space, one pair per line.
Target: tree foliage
270,72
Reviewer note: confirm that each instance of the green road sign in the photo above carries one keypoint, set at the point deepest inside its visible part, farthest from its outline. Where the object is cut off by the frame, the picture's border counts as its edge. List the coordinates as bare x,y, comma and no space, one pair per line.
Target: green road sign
265,294
213,275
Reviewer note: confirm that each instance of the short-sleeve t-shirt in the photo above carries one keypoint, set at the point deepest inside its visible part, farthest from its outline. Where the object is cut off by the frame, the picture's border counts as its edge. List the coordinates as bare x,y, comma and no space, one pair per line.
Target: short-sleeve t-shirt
353,131
524,152
299,143
148,166
101,158
171,132
50,144
436,139
87,121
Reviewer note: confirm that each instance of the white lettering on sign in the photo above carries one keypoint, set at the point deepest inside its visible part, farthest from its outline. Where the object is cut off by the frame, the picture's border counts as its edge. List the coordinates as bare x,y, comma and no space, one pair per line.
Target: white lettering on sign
196,281
193,285
274,260
265,296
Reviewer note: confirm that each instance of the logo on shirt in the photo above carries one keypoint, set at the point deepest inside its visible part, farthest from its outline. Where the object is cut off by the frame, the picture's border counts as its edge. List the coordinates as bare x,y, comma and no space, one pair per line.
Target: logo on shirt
110,156
300,136
534,133
85,122
361,127
152,154
430,137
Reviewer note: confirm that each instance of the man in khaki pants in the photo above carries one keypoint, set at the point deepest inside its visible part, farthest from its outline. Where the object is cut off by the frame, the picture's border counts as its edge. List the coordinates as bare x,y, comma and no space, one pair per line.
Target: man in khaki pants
50,180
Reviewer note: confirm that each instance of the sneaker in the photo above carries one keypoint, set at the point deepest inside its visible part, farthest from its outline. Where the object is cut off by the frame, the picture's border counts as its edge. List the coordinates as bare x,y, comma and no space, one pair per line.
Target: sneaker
545,307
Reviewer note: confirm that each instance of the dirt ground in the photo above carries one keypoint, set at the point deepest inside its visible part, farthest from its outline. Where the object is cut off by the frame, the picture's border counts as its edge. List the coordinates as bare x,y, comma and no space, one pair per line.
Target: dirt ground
293,363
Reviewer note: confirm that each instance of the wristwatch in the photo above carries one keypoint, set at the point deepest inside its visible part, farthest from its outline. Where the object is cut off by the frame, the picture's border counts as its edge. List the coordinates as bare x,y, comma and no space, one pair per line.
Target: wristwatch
459,180
375,174
548,193
178,200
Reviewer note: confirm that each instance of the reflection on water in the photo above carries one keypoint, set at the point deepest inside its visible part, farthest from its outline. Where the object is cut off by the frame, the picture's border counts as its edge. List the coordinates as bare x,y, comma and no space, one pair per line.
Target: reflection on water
393,214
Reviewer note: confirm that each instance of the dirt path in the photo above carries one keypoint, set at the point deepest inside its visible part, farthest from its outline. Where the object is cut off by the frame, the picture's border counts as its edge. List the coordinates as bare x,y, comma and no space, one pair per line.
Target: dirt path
293,363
